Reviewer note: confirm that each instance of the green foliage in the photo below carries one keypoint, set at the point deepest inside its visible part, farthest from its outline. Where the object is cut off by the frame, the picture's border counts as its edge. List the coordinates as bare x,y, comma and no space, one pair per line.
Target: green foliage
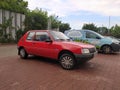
19,34
19,6
3,27
103,30
115,31
4,36
90,27
64,26
54,22
36,20
83,41
6,40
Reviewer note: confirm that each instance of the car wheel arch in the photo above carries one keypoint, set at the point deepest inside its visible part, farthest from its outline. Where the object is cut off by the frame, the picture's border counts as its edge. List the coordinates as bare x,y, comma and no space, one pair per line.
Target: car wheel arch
106,45
67,60
22,52
65,51
19,49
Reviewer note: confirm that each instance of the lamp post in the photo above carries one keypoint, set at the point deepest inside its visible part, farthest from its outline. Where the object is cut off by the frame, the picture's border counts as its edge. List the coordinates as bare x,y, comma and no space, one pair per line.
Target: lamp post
109,26
49,23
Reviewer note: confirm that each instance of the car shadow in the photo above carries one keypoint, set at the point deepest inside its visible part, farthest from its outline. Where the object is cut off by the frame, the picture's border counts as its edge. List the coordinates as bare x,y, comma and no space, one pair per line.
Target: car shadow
81,66
43,59
113,53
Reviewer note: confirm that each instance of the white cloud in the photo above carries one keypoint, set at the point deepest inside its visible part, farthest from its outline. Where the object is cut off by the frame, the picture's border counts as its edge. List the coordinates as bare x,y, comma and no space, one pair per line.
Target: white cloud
66,7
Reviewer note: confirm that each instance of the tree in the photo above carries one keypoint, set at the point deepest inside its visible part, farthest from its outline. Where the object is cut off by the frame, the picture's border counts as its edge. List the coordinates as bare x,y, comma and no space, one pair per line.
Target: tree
64,26
56,24
19,6
36,19
90,27
53,21
103,30
115,31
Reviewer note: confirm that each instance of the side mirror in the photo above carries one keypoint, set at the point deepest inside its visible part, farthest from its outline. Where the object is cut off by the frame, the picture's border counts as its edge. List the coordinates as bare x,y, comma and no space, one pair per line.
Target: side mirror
98,38
48,40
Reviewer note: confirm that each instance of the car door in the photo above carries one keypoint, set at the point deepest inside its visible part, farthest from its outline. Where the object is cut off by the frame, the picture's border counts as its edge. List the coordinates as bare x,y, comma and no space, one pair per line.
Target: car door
42,47
92,38
29,43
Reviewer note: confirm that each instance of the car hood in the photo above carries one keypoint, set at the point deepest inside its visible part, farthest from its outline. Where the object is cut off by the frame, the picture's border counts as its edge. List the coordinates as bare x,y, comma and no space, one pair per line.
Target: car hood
77,44
114,40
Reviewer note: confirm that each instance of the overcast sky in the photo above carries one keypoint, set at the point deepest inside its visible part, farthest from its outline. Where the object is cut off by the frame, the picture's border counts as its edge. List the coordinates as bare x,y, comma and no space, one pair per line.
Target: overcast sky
78,12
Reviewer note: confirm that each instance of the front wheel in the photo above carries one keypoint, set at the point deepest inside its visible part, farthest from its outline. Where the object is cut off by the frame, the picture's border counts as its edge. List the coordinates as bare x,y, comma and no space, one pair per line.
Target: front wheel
23,53
106,49
67,61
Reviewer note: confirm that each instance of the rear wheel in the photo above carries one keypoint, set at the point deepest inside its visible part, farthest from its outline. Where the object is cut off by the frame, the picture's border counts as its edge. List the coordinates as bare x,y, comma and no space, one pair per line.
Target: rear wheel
106,49
67,61
23,53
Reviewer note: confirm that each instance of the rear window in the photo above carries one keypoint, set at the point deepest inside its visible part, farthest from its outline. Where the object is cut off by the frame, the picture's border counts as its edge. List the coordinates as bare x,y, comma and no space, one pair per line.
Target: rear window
30,35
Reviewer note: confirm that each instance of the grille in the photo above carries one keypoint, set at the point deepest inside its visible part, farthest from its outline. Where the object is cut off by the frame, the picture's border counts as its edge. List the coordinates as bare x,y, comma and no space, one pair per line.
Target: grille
92,50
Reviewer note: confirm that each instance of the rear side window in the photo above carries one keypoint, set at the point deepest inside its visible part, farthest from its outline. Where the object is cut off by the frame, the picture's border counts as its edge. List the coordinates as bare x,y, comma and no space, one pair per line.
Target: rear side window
30,35
74,34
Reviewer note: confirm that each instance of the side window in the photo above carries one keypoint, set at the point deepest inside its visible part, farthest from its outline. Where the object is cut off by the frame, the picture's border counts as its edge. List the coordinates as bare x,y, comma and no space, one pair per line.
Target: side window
41,36
30,36
91,35
74,34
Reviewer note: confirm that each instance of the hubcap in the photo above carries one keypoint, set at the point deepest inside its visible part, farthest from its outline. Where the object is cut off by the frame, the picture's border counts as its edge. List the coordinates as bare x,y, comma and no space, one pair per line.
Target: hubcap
107,49
22,52
67,62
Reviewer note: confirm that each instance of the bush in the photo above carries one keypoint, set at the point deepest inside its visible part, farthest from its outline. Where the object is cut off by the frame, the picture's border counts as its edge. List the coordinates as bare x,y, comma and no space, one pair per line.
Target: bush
84,41
6,40
115,31
19,34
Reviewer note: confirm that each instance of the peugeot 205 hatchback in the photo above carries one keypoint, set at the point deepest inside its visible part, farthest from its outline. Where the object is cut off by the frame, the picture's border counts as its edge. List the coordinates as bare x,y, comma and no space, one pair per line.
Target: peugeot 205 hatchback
55,45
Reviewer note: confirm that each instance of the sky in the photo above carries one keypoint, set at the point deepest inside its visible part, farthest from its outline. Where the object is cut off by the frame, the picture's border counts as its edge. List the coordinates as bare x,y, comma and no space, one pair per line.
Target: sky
79,12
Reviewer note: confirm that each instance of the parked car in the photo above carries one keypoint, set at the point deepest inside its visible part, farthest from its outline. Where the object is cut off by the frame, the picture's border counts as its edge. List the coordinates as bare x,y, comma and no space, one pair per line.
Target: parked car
113,37
55,45
104,44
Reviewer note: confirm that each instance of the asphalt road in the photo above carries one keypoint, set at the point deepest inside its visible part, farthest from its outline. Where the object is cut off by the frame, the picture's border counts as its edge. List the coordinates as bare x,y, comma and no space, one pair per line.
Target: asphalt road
35,73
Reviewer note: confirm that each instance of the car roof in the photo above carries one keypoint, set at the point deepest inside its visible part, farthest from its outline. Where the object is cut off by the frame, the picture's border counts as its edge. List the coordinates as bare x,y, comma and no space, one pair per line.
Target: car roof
38,30
83,30
80,30
41,30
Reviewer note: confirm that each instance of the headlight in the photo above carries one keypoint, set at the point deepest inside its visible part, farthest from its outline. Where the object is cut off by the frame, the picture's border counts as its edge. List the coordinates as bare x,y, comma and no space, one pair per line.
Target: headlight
116,42
84,50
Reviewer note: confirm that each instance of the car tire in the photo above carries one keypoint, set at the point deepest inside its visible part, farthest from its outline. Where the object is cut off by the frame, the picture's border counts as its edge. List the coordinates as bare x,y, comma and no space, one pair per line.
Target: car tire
106,49
67,61
23,53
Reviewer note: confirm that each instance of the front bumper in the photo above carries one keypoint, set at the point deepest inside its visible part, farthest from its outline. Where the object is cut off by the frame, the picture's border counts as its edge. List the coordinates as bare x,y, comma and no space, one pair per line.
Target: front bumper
115,47
84,57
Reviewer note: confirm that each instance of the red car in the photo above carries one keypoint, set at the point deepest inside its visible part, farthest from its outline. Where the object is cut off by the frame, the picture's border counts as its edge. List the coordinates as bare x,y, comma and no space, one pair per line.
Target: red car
55,45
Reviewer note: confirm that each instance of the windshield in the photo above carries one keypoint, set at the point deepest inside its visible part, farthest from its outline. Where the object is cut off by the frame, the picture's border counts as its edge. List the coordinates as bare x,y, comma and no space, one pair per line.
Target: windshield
59,36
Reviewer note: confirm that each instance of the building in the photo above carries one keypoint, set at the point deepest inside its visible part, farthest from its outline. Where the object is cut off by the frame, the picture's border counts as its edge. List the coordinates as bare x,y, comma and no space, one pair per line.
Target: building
17,21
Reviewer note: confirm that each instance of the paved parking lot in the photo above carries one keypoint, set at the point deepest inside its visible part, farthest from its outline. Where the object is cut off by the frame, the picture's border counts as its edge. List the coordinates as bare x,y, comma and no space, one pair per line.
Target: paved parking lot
35,73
